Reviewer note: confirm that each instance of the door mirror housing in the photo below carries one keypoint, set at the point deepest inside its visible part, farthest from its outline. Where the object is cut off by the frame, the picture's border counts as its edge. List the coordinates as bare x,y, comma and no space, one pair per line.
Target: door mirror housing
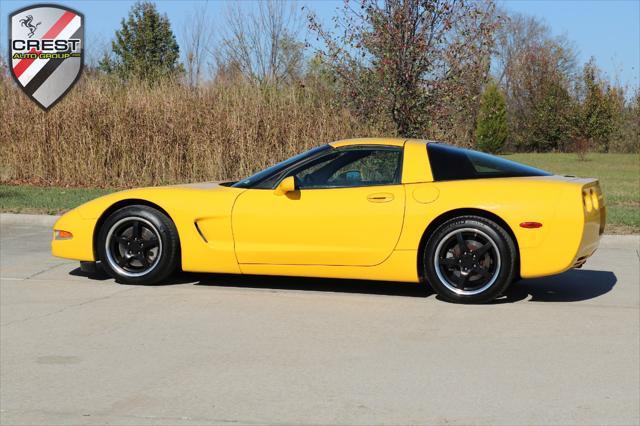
286,185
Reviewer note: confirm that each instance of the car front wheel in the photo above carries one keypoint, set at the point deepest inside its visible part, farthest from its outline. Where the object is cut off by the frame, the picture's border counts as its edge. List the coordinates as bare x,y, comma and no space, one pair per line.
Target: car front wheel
469,259
138,245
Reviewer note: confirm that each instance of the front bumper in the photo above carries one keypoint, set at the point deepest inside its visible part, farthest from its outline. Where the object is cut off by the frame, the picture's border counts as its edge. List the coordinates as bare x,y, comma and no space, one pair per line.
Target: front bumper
80,246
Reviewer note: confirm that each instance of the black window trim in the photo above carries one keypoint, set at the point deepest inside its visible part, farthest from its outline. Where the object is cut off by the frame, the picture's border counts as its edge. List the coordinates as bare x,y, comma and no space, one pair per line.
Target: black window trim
284,173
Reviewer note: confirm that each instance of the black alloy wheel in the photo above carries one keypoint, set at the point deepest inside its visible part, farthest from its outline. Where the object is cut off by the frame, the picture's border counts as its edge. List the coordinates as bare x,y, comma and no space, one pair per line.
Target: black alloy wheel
469,259
138,245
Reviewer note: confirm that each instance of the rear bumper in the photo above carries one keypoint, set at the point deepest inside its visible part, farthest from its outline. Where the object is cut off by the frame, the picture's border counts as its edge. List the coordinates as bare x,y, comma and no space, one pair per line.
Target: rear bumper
571,238
594,224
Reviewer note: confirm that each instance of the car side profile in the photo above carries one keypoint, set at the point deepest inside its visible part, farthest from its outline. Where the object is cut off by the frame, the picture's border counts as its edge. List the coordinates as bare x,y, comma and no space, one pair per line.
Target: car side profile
466,223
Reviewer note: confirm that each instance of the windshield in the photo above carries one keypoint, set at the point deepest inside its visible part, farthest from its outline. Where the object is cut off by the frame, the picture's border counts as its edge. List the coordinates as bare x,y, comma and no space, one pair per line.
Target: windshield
268,172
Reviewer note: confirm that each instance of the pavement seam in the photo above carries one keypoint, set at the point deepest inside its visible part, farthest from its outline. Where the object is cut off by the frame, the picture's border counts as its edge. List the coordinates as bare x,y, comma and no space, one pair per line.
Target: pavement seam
35,274
148,417
96,299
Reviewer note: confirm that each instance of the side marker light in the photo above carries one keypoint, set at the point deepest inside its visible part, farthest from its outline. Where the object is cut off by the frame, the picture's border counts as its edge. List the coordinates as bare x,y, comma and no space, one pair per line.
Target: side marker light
531,225
62,235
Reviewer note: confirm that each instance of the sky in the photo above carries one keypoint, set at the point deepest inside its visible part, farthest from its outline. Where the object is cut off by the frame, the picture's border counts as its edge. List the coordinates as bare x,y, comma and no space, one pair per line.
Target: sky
608,30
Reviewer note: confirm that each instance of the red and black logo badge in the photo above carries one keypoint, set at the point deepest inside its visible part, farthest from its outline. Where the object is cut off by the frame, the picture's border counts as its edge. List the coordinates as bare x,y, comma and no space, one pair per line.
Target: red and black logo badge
46,51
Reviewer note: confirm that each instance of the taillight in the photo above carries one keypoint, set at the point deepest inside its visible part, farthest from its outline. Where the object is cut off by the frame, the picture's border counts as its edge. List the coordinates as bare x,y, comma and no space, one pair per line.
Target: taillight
594,199
587,200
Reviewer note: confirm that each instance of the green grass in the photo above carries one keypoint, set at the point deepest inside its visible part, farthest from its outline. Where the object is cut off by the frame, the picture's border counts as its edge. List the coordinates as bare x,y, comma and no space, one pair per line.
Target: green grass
49,200
619,176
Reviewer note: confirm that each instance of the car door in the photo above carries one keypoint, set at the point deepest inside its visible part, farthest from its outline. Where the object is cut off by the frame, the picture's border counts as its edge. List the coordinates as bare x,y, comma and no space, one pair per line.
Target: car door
347,209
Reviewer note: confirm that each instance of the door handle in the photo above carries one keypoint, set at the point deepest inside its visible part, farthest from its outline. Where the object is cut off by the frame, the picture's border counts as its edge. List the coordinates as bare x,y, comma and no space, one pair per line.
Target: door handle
380,197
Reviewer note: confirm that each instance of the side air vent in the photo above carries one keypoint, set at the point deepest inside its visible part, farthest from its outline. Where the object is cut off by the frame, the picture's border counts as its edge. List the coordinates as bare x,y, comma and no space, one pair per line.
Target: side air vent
200,232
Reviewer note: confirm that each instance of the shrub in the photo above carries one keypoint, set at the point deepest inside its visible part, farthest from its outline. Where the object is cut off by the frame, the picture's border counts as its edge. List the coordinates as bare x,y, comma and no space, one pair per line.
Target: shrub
492,129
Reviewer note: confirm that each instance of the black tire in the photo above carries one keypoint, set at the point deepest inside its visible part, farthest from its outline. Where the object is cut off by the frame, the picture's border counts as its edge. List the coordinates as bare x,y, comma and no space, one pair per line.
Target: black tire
469,259
138,244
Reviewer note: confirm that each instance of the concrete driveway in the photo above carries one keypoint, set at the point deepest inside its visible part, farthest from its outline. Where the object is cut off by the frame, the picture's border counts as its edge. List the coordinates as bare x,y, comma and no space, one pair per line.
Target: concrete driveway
212,349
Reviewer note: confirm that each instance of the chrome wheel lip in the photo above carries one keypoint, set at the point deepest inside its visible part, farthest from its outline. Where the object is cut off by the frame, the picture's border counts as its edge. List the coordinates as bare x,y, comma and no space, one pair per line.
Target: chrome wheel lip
112,262
451,286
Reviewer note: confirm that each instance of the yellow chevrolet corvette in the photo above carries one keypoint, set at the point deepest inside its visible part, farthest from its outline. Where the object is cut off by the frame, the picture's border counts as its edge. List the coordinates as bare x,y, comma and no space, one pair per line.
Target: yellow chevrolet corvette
466,223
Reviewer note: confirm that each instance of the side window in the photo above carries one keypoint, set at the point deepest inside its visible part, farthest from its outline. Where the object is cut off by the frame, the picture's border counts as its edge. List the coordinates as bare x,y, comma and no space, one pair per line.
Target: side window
351,168
302,171
311,168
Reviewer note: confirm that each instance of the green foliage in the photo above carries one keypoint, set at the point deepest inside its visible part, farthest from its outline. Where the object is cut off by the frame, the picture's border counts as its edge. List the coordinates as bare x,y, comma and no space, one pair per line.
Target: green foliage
551,105
144,46
626,136
598,114
550,126
541,108
492,128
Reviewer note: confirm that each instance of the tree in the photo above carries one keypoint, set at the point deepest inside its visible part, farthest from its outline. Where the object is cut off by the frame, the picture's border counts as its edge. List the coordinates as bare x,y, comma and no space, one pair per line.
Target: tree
630,128
536,72
144,46
263,44
596,116
542,110
198,38
410,61
492,129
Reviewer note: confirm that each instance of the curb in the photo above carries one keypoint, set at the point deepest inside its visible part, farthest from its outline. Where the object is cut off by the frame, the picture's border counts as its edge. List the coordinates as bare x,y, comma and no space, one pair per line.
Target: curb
620,241
27,219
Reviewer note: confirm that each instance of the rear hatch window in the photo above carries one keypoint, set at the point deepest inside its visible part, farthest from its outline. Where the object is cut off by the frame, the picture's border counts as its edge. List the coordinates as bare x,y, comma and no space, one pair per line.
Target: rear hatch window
452,163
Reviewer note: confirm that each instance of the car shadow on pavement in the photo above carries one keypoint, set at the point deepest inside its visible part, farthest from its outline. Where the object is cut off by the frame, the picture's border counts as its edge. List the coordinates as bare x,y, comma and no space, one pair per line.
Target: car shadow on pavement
269,282
571,286
574,285
329,285
97,275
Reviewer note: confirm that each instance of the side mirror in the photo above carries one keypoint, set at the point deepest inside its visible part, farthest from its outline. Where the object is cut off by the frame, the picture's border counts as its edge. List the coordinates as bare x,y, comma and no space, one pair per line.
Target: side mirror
287,184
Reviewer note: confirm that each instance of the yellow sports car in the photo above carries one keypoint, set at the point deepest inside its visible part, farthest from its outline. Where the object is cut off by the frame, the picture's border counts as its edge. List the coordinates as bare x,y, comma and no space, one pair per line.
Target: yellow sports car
464,222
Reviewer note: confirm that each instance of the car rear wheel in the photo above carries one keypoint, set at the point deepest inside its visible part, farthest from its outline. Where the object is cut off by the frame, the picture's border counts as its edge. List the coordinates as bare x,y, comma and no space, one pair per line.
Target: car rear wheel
138,245
469,259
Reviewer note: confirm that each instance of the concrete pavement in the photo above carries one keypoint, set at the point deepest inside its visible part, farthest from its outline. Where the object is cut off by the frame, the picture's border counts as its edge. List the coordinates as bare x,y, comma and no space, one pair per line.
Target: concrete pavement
219,349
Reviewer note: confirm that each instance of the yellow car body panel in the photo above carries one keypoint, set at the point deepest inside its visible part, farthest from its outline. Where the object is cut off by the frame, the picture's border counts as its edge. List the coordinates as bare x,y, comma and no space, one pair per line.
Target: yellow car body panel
372,232
555,202
207,247
340,226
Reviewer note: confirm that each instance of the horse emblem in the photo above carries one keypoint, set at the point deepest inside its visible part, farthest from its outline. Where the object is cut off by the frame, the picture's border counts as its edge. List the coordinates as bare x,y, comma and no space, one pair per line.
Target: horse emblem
28,22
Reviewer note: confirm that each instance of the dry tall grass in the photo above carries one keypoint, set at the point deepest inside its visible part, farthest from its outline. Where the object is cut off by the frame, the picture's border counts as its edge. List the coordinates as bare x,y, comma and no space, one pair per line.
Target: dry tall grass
105,134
